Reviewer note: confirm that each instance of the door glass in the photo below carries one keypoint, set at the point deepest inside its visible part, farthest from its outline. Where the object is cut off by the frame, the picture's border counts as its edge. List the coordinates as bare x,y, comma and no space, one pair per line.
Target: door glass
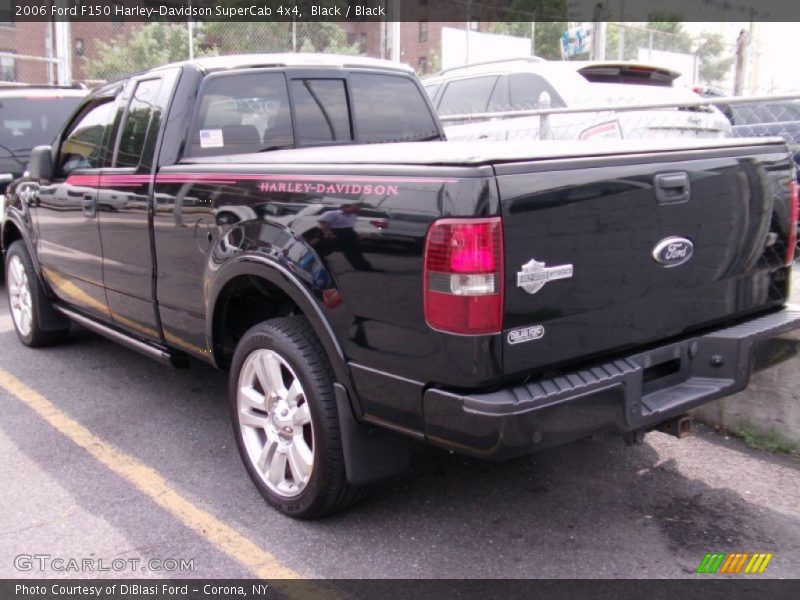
138,139
84,146
243,113
467,95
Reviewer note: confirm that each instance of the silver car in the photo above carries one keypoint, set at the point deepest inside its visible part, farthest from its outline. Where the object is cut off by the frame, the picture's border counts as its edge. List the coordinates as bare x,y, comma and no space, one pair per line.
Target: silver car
535,84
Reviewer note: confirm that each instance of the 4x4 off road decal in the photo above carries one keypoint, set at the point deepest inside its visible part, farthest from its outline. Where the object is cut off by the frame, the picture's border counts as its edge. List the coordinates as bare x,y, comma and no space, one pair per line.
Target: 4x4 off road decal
735,562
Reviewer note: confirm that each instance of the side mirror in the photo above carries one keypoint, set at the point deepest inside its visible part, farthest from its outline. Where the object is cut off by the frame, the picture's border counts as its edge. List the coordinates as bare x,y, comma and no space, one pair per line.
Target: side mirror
40,166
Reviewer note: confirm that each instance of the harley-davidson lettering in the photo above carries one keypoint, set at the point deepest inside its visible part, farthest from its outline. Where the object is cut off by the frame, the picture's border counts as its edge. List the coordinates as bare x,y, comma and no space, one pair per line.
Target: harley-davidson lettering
527,334
331,189
534,275
673,251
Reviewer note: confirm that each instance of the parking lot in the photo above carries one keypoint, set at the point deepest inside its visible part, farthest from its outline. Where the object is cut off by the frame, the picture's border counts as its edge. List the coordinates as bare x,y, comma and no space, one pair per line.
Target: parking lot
107,455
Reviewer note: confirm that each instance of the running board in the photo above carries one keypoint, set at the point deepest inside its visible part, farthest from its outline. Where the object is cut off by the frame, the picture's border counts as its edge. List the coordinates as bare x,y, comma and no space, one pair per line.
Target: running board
159,353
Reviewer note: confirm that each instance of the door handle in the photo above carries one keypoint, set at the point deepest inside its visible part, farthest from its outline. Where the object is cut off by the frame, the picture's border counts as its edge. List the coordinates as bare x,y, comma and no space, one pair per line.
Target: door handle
672,188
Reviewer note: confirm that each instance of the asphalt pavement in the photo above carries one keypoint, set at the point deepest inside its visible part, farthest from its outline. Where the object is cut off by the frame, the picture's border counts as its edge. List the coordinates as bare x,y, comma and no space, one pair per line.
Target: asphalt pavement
108,455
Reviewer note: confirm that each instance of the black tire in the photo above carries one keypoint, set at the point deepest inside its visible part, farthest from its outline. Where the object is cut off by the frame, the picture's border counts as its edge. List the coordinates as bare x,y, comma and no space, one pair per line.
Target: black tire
327,490
46,326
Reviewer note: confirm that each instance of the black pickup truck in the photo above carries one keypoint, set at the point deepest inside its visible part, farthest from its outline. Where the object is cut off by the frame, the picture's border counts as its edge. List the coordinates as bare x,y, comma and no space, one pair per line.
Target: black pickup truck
299,221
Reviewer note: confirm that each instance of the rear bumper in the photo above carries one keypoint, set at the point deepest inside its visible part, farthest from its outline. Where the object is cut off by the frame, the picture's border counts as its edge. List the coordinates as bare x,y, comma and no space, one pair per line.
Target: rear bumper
631,394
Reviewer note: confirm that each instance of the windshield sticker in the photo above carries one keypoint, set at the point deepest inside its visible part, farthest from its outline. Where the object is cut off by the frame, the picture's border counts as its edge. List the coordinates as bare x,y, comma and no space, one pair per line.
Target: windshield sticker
211,138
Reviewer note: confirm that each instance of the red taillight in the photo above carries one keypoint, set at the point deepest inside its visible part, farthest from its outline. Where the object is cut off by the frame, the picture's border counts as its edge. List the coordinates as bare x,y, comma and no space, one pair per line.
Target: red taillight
791,242
463,276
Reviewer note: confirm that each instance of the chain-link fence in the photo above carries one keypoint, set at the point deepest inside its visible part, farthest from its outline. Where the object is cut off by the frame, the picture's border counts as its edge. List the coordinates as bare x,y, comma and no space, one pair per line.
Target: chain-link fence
631,118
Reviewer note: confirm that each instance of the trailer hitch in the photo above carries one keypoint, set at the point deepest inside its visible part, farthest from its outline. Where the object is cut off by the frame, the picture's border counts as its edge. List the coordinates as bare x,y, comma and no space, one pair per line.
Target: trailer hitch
680,426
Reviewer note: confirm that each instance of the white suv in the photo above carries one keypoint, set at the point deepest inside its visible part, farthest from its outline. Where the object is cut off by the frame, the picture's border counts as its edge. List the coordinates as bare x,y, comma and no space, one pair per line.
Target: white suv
532,83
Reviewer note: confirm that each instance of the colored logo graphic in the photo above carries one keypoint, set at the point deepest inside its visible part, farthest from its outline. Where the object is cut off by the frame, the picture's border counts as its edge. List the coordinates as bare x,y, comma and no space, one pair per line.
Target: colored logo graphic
736,562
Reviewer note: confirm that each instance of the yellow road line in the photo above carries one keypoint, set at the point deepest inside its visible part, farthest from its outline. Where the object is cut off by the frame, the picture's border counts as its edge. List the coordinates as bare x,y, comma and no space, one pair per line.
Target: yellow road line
260,562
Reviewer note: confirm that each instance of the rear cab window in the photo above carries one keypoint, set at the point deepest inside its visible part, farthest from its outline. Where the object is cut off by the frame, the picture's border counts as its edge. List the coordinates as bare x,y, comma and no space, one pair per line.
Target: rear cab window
390,108
260,111
321,111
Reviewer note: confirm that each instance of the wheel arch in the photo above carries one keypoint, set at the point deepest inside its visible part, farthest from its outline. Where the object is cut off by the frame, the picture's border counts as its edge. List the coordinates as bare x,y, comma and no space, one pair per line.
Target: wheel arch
12,231
282,279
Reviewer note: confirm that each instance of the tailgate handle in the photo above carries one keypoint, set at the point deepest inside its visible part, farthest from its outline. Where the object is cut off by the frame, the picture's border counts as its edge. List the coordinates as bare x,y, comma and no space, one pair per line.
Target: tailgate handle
672,187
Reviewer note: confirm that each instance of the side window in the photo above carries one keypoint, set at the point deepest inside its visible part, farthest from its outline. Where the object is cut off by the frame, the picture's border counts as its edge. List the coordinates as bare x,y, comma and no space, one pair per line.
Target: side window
499,100
320,108
138,138
526,88
431,88
242,113
390,108
84,147
467,95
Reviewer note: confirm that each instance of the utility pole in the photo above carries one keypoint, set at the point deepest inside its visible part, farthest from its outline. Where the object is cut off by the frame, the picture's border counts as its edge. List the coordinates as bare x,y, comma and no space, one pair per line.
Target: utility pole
190,31
739,72
63,48
599,32
533,38
395,55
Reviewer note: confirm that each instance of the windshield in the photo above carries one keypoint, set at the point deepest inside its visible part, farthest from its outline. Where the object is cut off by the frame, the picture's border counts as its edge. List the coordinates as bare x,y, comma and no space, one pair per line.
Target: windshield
34,121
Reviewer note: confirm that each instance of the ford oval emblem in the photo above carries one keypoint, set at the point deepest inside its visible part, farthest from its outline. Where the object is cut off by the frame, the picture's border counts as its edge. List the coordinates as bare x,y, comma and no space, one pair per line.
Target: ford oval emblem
673,251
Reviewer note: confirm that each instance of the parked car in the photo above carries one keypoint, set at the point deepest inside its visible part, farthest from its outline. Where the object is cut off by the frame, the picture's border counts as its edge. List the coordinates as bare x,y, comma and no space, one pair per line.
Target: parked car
533,83
552,290
30,116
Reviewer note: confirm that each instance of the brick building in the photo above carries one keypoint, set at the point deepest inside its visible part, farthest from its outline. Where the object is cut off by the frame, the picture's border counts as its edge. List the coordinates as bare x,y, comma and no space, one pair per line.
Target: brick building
25,46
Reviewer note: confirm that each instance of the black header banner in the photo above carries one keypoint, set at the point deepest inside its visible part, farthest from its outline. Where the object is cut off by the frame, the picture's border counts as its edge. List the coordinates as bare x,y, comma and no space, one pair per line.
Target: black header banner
400,10
708,588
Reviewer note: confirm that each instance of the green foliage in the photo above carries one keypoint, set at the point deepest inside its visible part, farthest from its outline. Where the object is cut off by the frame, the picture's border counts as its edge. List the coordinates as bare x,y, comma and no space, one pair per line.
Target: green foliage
160,43
671,36
548,29
149,46
771,442
713,64
548,36
259,37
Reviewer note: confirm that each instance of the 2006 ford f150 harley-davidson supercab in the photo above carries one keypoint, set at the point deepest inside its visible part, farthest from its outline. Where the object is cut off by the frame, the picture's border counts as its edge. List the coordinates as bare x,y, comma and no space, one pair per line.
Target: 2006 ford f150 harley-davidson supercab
299,221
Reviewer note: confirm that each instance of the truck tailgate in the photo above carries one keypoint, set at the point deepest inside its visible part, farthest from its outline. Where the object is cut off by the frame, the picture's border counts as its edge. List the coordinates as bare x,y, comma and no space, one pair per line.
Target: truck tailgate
610,253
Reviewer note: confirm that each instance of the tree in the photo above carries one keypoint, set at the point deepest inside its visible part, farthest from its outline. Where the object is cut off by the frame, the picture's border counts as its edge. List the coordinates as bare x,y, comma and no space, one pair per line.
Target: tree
713,67
238,37
149,46
546,14
547,40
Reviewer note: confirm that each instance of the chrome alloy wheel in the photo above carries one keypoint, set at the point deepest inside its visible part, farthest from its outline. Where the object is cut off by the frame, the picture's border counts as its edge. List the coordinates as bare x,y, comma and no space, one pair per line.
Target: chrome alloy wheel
19,295
275,423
